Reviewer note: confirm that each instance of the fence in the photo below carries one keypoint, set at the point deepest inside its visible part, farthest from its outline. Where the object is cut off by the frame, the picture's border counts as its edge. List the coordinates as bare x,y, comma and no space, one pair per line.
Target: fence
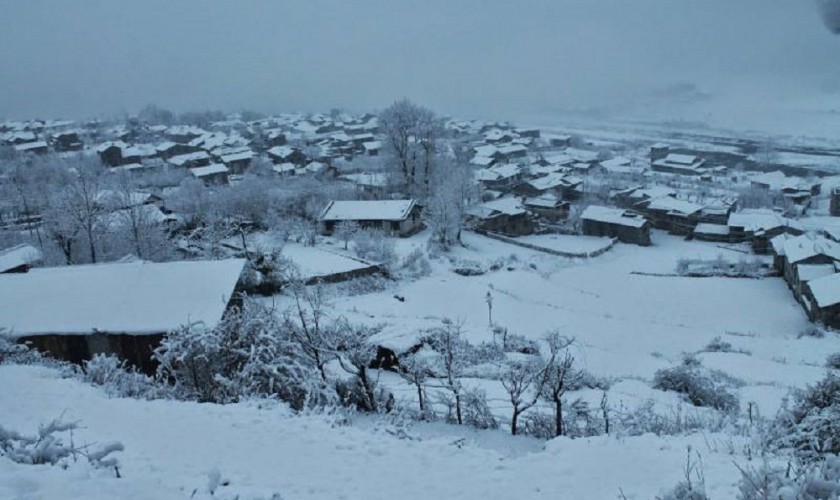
551,251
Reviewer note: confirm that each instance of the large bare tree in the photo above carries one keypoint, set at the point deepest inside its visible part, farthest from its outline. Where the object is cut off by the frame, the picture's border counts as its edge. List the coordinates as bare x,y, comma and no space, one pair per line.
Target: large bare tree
412,134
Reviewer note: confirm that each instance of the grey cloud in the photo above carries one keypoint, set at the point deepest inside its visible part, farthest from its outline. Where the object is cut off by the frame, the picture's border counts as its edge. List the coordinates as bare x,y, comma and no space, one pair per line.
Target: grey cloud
830,12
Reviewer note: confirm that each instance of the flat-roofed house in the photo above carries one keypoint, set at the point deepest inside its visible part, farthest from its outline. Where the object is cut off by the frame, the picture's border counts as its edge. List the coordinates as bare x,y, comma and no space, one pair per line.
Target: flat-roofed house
616,223
397,217
125,309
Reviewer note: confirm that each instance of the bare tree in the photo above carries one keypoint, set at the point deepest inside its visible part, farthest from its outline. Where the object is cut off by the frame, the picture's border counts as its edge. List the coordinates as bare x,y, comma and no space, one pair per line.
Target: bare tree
352,347
81,199
345,230
451,182
306,321
524,381
411,136
415,368
60,228
560,375
143,224
447,340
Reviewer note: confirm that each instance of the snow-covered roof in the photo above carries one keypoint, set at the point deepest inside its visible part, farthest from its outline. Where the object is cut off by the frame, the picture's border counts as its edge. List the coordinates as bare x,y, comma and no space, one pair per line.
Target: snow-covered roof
375,179
547,200
372,146
27,146
133,298
507,170
673,205
181,160
20,255
617,162
216,168
680,159
281,151
284,167
502,206
826,290
368,210
612,216
778,243
545,182
809,272
148,214
244,155
755,220
773,180
482,161
581,155
806,246
485,150
509,150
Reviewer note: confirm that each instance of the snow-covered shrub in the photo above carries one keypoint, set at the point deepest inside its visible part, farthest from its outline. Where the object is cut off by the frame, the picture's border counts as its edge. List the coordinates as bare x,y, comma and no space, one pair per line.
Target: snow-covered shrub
12,352
485,352
813,331
833,361
247,354
693,485
685,491
120,379
718,345
375,246
698,386
20,354
476,412
468,268
364,285
539,424
520,344
267,273
819,482
646,419
810,425
49,446
415,265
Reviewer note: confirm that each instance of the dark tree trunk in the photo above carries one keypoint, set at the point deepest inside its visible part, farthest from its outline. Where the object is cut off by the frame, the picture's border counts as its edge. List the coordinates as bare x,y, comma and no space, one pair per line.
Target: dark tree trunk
558,416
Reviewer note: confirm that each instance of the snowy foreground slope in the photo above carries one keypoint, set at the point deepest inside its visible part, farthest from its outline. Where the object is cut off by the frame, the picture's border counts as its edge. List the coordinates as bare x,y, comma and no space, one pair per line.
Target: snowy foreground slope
171,447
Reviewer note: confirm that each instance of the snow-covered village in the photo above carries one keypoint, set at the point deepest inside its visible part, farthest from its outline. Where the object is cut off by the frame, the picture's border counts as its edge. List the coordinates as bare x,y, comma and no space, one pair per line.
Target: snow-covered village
411,296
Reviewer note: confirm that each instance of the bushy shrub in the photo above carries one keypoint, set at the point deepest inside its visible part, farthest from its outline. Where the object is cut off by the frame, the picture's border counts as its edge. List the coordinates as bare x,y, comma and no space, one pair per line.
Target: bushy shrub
364,285
646,419
267,273
476,412
374,246
833,361
685,491
698,386
468,268
415,265
819,482
248,354
49,446
518,343
810,425
813,331
119,379
13,353
539,424
718,345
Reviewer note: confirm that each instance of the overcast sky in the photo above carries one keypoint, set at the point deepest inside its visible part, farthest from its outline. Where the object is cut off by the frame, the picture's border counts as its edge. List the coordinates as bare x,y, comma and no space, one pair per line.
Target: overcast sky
466,57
